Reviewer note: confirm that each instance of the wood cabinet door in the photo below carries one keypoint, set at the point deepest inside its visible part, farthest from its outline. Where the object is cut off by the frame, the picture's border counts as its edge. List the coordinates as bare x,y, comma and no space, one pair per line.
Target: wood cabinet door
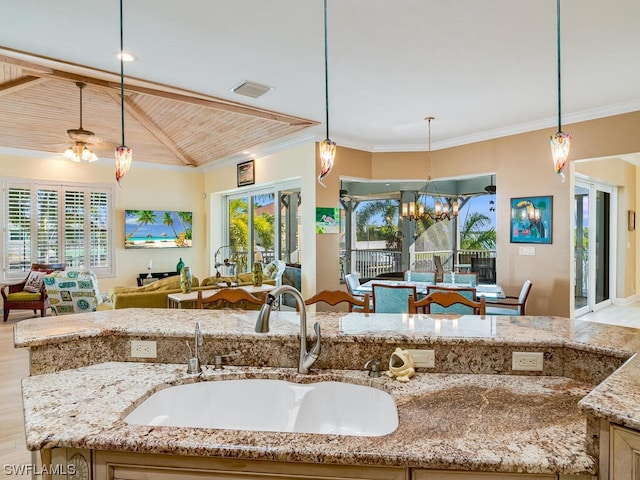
625,454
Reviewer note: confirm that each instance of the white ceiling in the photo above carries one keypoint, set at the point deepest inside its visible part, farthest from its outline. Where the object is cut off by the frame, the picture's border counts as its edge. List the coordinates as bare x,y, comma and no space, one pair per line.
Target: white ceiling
483,68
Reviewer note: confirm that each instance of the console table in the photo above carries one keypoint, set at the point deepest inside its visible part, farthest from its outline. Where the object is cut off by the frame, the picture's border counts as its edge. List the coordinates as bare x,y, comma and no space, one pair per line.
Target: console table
143,278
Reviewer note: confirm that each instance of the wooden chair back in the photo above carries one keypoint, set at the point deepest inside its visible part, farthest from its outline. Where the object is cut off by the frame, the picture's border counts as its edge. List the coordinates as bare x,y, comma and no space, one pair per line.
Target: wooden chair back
451,301
229,295
334,297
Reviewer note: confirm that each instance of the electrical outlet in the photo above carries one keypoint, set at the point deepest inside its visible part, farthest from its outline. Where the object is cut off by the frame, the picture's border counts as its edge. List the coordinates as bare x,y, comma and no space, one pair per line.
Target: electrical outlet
423,358
143,349
530,361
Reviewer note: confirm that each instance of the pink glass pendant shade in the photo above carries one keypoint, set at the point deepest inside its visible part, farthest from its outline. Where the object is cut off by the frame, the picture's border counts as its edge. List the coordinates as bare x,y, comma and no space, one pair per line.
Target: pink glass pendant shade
327,157
560,145
123,161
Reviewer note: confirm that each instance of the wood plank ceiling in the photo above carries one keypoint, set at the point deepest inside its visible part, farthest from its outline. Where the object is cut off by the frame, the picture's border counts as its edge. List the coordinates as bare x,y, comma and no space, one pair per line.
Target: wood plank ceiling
39,102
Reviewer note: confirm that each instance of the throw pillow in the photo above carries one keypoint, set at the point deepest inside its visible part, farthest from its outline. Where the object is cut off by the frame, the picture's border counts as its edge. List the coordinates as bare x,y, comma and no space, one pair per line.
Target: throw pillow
34,282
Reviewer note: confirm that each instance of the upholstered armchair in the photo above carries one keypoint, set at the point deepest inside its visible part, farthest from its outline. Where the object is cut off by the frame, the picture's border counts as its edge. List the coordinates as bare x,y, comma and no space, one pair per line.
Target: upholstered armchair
30,294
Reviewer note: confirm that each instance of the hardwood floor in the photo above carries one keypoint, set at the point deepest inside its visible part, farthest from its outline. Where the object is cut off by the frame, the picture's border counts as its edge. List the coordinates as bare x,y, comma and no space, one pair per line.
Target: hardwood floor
624,316
15,366
14,363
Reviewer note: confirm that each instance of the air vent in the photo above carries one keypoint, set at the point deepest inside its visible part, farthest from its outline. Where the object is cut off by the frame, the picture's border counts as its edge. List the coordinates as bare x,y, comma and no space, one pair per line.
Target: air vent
251,89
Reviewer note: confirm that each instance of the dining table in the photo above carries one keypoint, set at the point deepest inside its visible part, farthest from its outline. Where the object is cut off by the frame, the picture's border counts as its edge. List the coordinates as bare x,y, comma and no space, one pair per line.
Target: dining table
489,291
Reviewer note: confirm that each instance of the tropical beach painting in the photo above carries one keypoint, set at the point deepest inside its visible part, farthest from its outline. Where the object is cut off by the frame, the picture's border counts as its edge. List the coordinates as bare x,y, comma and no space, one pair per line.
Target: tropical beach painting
157,229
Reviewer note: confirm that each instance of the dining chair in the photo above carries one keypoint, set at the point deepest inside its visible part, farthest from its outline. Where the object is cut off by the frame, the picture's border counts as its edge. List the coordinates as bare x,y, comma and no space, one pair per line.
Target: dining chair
414,276
463,302
334,297
510,305
392,298
226,297
441,300
352,282
466,278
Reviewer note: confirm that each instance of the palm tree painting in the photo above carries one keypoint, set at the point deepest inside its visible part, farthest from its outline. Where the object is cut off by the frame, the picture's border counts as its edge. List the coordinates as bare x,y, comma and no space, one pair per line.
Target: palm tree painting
157,229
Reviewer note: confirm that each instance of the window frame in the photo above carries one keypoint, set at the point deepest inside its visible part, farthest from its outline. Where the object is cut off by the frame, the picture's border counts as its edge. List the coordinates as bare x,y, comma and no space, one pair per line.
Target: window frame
99,194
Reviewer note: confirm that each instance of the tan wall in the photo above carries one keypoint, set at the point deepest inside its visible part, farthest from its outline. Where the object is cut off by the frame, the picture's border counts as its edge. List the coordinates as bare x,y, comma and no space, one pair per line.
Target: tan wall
142,188
294,164
523,167
521,162
349,163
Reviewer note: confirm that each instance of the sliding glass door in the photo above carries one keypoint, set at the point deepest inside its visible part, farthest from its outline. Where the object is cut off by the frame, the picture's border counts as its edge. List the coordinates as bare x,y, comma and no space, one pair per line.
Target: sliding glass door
594,245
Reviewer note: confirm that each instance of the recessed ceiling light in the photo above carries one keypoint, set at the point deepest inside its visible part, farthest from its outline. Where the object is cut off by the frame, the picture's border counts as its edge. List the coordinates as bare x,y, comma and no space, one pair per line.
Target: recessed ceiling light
126,56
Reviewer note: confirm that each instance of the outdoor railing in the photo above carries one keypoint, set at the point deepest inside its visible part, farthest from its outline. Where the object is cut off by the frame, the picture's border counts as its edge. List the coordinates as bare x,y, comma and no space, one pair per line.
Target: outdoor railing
369,263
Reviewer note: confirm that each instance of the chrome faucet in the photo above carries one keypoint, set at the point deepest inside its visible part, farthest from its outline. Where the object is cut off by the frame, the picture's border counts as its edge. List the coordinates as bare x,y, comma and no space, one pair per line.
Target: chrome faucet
307,359
193,366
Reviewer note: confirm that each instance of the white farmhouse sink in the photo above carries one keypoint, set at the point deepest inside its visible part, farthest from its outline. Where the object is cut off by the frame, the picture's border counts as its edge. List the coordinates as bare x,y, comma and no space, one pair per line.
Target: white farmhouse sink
271,405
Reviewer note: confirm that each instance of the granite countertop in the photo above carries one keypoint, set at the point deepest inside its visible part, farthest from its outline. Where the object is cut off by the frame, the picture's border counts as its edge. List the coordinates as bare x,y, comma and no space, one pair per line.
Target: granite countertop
535,425
61,408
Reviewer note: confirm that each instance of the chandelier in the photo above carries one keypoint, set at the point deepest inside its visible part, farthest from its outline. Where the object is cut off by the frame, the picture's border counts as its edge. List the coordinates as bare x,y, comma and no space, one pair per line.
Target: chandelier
414,210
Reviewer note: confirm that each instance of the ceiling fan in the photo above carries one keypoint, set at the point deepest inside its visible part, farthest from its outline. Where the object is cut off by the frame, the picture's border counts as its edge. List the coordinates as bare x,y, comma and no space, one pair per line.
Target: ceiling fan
81,138
490,189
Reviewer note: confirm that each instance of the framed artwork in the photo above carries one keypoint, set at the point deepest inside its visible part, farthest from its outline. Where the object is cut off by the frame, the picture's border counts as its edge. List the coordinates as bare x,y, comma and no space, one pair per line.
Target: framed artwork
246,173
157,229
532,219
327,220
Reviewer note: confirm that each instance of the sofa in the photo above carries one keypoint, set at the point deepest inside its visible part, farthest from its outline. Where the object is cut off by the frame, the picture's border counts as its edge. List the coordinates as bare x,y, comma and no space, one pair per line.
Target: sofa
152,295
242,280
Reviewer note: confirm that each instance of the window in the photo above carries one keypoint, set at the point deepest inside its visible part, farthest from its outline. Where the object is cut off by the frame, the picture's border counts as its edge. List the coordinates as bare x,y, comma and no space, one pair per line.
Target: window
257,227
47,223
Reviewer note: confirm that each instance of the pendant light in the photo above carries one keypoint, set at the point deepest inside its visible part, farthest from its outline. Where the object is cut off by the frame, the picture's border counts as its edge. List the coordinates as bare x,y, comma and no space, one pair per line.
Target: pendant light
327,147
560,142
123,153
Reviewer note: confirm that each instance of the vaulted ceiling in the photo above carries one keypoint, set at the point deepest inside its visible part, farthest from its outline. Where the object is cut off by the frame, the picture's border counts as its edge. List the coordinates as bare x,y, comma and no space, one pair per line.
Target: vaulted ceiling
483,68
40,101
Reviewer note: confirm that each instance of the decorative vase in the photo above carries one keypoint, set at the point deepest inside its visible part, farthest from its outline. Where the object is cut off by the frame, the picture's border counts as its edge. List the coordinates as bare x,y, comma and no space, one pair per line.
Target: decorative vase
256,275
179,265
185,279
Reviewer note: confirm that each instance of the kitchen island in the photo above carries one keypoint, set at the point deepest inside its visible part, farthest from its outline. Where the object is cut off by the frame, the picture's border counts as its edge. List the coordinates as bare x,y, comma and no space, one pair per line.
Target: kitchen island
470,413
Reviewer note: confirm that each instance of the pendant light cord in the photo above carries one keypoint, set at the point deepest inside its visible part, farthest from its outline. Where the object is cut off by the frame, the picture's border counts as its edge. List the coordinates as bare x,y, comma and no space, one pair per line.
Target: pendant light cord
121,73
326,70
559,75
81,87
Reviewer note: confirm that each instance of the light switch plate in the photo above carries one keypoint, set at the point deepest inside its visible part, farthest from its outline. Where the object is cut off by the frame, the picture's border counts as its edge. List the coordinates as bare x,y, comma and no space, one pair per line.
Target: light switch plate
423,358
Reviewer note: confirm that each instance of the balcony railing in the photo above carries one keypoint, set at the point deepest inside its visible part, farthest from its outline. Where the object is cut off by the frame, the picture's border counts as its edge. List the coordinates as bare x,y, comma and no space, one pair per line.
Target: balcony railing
371,263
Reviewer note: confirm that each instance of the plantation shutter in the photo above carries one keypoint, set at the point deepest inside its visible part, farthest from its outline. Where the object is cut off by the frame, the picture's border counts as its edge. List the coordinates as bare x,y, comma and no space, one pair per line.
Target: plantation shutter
74,228
48,225
99,229
18,239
